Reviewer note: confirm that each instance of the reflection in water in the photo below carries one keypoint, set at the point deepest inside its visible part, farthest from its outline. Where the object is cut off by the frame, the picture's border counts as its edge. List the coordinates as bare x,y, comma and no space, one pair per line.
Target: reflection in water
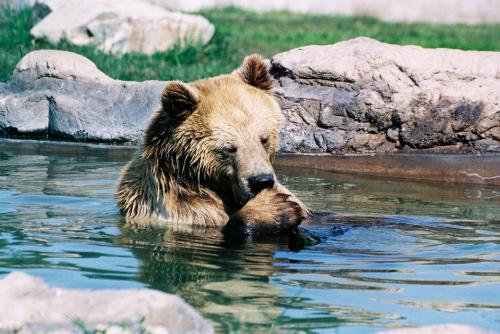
394,254
230,285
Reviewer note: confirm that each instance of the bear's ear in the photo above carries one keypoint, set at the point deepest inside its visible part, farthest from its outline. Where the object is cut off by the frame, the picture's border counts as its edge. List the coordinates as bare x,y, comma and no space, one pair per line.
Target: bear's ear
255,72
179,100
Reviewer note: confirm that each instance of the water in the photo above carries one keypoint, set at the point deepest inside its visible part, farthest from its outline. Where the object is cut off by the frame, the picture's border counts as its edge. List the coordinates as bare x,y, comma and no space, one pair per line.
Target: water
398,254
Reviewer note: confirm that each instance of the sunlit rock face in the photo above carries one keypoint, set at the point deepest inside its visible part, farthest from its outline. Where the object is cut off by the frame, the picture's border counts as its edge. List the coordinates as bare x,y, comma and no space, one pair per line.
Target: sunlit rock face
366,96
359,95
29,305
118,26
61,94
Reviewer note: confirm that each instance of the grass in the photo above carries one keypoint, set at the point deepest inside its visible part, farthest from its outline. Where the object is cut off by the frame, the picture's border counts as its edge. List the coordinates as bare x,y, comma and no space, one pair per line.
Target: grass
239,33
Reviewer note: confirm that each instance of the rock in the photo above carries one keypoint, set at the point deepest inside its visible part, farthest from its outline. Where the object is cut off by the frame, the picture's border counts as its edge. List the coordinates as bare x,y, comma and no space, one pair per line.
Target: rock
28,305
62,94
393,135
382,97
355,96
21,113
487,145
118,26
331,140
366,141
440,329
443,11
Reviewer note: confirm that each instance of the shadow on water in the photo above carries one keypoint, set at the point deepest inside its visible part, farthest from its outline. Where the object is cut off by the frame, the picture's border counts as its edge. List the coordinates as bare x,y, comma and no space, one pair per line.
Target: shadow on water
394,254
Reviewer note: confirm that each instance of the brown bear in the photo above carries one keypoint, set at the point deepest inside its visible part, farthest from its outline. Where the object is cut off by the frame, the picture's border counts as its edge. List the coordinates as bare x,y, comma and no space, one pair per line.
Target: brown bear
206,158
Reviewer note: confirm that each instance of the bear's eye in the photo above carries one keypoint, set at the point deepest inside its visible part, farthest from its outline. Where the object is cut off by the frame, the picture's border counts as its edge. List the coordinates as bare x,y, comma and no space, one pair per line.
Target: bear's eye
231,149
264,141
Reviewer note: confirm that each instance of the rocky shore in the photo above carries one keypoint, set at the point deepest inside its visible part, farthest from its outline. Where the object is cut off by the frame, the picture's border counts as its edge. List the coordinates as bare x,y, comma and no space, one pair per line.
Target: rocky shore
359,95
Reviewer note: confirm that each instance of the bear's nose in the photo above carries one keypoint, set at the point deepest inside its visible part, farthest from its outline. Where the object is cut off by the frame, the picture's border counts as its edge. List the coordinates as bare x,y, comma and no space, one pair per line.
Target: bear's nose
260,182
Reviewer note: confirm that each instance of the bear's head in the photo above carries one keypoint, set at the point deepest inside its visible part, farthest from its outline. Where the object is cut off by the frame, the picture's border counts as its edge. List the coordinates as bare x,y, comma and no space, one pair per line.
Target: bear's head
219,133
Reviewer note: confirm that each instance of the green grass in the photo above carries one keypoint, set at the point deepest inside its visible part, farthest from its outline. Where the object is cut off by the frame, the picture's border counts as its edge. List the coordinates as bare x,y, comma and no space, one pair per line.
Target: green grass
239,33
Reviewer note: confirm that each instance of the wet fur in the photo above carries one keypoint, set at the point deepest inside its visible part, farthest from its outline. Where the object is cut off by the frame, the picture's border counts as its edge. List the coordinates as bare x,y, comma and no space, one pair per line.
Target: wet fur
180,176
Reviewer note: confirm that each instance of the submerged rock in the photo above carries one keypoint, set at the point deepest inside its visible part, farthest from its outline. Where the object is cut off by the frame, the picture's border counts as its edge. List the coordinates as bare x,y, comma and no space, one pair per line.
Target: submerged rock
118,26
363,95
28,305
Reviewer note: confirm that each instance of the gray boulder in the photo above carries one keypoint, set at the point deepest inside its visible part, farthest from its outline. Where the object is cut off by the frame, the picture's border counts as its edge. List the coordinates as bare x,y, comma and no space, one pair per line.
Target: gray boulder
118,26
63,94
28,305
366,96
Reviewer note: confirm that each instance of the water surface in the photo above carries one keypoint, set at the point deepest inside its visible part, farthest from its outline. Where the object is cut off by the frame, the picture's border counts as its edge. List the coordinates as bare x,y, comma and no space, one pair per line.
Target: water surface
398,253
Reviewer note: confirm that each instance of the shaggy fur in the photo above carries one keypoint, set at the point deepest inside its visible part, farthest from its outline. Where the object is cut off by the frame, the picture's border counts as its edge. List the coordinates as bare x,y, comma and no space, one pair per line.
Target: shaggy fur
200,150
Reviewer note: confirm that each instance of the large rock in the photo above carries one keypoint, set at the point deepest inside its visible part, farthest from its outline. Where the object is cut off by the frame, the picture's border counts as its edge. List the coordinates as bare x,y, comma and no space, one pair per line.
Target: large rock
363,95
28,305
62,94
442,11
355,96
118,26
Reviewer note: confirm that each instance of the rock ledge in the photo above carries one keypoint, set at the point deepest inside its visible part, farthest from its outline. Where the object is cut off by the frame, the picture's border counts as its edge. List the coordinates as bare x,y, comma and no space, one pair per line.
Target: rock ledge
362,95
62,94
359,95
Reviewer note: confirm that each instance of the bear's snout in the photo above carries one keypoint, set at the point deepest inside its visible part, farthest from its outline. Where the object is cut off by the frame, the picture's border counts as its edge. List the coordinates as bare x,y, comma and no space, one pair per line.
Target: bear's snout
260,182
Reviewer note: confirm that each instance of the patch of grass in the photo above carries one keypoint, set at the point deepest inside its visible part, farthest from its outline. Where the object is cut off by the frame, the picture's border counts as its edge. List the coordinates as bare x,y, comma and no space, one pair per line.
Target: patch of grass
270,33
239,33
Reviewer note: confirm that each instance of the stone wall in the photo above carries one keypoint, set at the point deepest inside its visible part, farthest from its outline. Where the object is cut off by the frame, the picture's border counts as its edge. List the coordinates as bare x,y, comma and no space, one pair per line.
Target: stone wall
439,11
